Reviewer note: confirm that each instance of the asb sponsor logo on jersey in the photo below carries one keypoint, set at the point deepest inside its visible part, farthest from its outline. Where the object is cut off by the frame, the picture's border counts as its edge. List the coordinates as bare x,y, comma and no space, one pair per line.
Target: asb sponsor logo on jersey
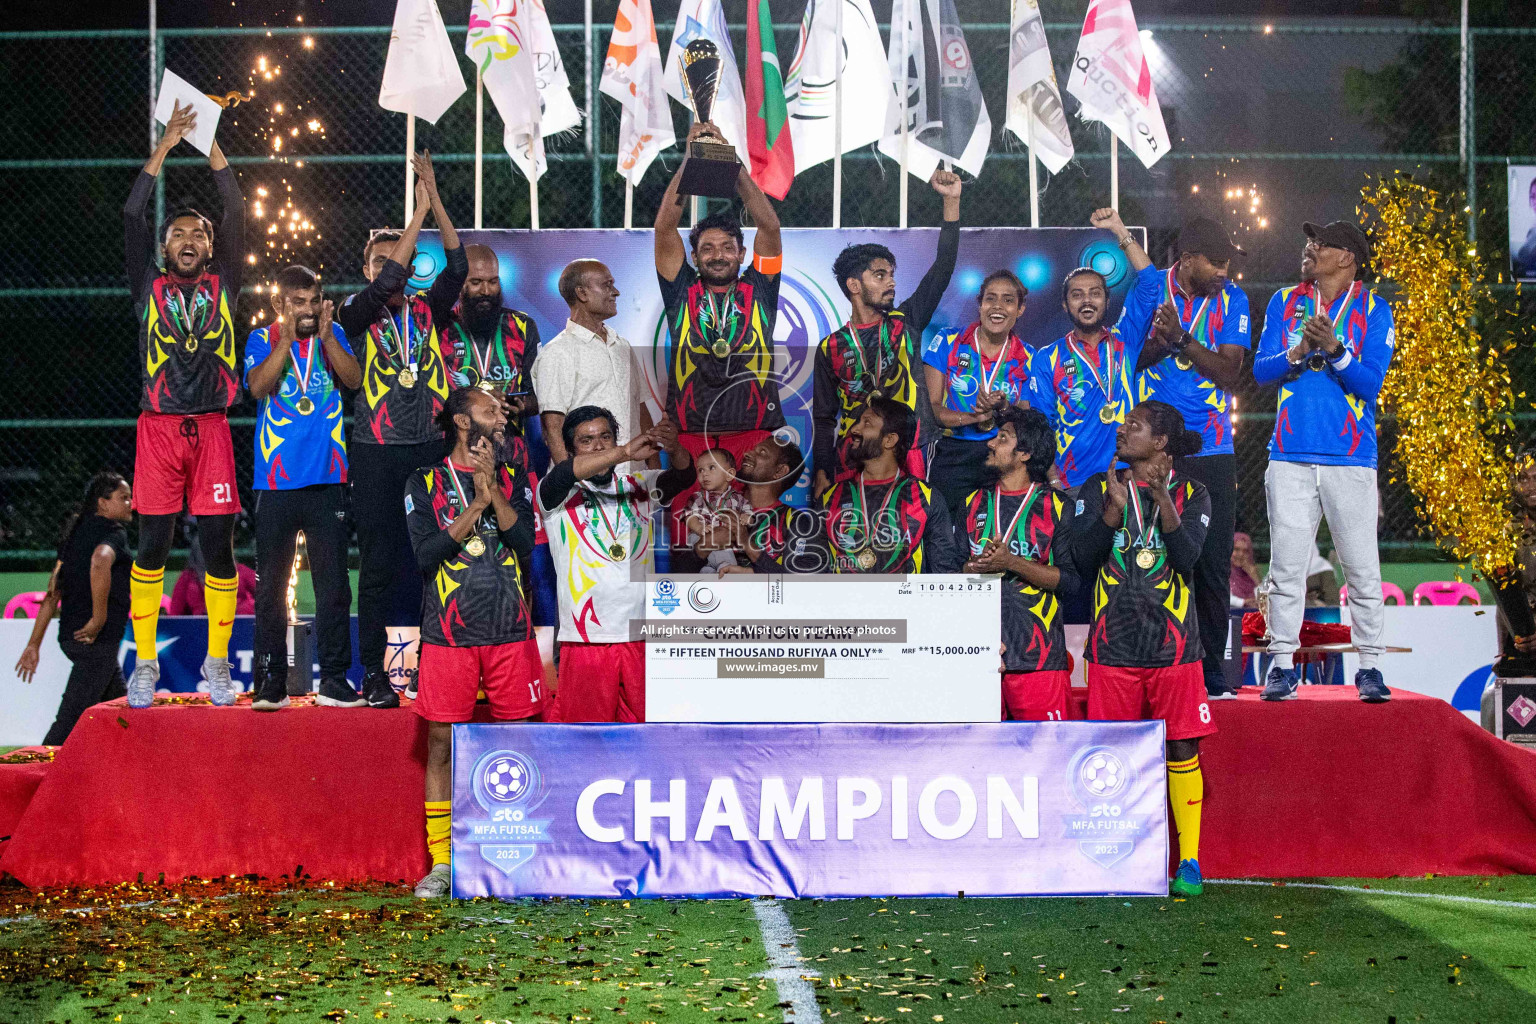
508,786
1106,831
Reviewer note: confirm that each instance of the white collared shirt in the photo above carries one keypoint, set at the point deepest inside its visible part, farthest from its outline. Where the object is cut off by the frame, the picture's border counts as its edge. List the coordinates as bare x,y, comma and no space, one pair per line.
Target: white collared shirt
578,367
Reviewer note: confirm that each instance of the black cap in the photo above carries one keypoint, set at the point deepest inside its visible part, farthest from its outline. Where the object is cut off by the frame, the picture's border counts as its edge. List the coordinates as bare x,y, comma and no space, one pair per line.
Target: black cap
1343,234
1208,238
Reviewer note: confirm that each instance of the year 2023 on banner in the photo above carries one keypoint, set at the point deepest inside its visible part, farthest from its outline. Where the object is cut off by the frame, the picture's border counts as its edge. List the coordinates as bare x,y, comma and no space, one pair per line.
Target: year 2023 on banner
823,649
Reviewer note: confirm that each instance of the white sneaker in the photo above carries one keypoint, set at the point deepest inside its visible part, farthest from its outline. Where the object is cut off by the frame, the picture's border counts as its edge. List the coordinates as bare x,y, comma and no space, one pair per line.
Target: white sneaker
436,885
141,685
221,688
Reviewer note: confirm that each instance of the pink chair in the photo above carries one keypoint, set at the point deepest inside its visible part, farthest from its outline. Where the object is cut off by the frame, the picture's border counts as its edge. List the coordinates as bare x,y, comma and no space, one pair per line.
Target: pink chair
1391,593
1445,592
28,603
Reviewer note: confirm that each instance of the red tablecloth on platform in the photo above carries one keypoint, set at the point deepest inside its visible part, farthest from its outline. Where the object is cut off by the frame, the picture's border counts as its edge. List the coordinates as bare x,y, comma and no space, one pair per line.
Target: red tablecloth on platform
18,782
1323,785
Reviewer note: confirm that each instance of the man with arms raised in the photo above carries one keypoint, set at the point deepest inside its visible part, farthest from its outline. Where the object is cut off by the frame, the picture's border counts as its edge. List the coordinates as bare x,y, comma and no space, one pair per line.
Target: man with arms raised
877,354
720,376
1193,361
1084,381
471,526
294,368
879,518
1018,525
1136,539
599,522
184,456
399,342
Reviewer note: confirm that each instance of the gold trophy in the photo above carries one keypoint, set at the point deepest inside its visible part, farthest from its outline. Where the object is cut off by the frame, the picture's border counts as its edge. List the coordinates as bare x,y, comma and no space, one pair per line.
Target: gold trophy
712,163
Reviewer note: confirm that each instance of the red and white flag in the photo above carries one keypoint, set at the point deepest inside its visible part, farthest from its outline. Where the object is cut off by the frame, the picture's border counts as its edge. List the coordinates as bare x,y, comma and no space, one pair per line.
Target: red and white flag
632,75
1111,79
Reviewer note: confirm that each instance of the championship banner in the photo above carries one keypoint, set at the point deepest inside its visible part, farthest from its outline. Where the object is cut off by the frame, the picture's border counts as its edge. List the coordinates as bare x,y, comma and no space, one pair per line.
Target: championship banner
797,811
823,649
811,306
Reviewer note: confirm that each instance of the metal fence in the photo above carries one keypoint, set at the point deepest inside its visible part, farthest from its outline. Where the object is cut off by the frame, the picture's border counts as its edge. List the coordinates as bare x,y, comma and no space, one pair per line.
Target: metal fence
1272,123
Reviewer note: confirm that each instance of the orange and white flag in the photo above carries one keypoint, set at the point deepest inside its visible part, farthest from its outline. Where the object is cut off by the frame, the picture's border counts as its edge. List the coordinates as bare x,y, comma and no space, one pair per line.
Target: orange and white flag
632,74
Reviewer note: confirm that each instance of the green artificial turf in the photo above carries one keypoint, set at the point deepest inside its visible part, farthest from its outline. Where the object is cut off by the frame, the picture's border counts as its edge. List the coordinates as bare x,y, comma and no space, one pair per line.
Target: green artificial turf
248,953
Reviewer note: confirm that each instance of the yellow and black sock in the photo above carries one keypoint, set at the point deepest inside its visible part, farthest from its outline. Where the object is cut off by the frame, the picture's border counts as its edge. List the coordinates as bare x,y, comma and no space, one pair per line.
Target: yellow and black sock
439,823
220,595
1186,791
145,589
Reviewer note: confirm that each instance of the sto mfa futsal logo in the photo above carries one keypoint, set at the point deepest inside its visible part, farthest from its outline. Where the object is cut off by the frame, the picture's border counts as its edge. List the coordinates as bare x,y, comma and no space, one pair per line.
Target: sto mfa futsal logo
508,786
1100,778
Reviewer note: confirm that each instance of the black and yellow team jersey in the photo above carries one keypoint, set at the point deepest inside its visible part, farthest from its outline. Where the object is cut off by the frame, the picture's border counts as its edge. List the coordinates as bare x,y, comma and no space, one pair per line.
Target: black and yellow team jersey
472,593
720,378
787,539
1143,601
400,351
498,358
888,526
187,359
1034,524
857,362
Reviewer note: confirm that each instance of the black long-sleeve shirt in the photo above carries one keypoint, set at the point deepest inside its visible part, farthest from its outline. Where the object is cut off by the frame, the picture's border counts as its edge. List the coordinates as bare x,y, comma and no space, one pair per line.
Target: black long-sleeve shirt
469,600
886,355
187,357
387,412
903,522
1142,617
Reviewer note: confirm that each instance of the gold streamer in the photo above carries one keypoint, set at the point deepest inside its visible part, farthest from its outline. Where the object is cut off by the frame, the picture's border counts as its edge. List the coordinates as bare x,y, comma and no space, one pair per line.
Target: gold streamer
1448,387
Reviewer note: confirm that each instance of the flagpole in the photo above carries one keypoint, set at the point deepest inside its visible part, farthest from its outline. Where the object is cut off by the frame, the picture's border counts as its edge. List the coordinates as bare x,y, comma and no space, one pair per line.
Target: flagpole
1034,174
533,202
629,204
837,123
1114,172
479,152
410,169
906,59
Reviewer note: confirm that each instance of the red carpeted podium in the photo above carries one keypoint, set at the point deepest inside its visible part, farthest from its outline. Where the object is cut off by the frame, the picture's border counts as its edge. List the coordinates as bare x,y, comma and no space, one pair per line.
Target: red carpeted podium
1319,786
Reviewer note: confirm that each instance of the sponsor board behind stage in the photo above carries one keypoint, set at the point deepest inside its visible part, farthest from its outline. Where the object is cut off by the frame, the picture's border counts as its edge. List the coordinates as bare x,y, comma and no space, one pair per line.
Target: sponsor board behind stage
811,306
810,810
822,649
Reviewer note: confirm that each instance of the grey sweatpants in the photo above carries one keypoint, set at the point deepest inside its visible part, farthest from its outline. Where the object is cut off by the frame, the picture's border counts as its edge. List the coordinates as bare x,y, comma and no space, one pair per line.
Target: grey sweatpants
1298,495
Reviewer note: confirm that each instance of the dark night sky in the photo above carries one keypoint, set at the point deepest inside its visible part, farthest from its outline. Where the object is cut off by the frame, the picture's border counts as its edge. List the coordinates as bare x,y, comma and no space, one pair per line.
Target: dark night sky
42,14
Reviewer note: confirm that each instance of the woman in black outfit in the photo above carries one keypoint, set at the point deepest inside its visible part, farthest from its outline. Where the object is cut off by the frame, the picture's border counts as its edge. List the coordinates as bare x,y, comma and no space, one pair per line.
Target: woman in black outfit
90,582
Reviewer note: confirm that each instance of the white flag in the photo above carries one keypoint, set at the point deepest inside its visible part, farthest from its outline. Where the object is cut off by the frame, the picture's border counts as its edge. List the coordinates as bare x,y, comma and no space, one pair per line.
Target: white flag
421,72
560,110
632,75
1032,92
1112,81
704,19
500,42
934,87
811,86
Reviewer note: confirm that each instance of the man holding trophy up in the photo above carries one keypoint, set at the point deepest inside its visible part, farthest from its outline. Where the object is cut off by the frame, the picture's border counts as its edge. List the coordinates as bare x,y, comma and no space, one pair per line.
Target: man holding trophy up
720,378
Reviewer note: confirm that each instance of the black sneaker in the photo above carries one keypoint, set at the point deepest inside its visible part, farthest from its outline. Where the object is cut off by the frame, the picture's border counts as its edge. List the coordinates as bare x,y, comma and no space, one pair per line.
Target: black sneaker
379,691
269,681
1216,687
336,692
410,687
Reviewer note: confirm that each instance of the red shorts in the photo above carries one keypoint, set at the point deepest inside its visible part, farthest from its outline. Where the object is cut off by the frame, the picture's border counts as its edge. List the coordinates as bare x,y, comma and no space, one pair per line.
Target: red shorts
449,679
1175,694
1038,697
600,683
185,459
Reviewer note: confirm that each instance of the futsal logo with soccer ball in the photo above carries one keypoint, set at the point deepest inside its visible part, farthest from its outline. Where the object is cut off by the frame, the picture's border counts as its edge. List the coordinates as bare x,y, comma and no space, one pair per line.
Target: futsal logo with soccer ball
1105,830
508,786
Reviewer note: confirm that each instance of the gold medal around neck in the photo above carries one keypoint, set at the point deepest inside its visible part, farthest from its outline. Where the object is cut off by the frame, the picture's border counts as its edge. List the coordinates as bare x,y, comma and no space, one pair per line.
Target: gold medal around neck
721,348
305,406
1107,414
190,345
407,379
1145,558
1183,362
616,551
475,545
865,559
